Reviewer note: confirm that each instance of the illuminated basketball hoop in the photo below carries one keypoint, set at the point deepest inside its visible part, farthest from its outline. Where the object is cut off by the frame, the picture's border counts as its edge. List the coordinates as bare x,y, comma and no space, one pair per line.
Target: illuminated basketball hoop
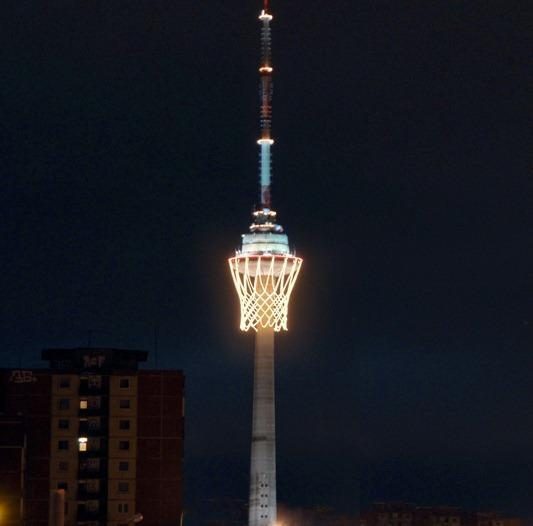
264,284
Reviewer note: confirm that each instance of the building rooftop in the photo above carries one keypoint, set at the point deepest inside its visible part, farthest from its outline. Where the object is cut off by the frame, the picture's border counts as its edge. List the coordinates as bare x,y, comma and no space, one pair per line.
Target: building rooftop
93,358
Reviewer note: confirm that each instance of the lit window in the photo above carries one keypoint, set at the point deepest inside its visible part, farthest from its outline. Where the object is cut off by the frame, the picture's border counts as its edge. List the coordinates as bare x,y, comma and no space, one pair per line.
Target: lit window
83,404
63,424
124,424
124,383
82,444
64,403
123,487
123,466
124,445
62,444
124,404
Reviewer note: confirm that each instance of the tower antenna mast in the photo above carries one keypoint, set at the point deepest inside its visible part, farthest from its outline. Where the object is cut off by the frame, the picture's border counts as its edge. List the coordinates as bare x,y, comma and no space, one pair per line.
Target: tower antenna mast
265,116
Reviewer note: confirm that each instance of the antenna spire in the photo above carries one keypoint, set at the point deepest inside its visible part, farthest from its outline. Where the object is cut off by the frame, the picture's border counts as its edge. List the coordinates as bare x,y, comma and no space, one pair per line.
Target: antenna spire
265,142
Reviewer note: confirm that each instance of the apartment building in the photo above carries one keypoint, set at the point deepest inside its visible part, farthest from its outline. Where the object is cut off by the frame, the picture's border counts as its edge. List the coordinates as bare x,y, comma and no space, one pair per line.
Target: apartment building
107,433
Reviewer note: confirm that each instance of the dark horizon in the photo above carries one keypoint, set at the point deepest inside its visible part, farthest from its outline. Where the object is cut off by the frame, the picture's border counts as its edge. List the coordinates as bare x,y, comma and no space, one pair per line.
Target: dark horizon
401,172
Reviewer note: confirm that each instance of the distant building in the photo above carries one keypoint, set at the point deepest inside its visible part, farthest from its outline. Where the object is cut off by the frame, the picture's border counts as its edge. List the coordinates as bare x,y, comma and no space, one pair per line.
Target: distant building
317,516
94,425
404,514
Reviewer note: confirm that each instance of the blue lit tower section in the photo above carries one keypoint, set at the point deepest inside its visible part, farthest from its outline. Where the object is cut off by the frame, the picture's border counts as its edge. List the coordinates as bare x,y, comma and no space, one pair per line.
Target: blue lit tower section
264,272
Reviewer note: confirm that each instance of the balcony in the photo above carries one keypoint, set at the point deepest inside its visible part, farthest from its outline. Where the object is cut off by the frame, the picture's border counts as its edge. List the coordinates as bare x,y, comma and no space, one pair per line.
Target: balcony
88,493
94,385
91,467
86,515
93,406
93,427
92,449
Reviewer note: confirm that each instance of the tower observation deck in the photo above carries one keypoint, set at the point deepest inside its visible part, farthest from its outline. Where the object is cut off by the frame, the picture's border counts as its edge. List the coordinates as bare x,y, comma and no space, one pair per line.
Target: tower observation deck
264,272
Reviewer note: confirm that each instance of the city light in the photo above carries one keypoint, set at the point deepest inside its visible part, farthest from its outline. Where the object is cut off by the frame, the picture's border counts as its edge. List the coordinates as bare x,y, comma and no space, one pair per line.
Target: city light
82,443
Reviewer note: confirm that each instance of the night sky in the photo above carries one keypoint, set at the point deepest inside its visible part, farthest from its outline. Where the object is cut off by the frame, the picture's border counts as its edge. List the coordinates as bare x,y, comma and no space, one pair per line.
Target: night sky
402,174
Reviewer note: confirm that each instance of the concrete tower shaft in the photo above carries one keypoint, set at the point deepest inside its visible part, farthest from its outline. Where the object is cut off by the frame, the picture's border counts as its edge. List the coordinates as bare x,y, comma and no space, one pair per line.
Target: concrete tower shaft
262,506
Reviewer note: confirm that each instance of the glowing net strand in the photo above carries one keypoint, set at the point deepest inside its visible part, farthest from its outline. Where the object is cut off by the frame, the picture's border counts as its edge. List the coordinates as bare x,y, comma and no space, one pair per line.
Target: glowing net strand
264,285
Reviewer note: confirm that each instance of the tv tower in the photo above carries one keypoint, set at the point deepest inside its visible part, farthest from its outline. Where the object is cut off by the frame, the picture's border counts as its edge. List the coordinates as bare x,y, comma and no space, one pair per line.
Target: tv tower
264,272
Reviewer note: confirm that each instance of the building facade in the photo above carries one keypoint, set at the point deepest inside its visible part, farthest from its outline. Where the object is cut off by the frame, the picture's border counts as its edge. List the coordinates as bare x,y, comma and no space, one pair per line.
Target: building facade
405,514
108,434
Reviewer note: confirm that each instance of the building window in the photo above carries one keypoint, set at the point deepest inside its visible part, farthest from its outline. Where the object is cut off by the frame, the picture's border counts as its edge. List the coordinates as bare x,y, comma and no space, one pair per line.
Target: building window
62,445
93,464
62,466
64,403
63,423
124,383
94,402
95,382
124,404
123,508
62,485
124,425
64,383
93,486
95,444
83,404
124,445
123,466
123,487
82,444
93,424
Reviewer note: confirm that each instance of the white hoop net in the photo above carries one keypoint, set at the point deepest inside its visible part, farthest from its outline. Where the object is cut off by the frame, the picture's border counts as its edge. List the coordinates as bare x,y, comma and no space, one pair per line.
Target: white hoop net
264,285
